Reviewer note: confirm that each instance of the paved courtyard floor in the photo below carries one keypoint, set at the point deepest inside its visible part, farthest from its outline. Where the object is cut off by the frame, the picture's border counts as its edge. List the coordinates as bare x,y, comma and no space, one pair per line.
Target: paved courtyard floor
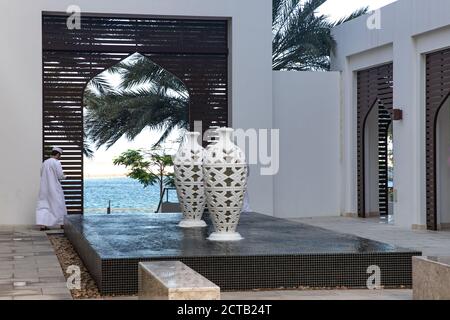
29,268
430,243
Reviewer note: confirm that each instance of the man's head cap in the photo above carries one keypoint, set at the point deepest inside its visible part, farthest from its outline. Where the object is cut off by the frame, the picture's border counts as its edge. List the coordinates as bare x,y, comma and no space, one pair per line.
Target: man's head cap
59,150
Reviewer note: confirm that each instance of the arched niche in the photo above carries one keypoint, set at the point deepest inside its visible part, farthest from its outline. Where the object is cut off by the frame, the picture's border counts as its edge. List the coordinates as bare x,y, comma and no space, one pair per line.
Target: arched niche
194,50
374,94
437,93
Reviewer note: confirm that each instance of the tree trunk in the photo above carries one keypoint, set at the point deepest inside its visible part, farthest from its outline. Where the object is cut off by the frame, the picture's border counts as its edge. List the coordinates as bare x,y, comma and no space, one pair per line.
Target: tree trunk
161,182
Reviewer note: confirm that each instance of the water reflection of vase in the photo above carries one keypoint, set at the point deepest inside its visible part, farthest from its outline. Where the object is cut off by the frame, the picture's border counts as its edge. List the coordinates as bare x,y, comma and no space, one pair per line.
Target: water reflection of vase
225,172
189,181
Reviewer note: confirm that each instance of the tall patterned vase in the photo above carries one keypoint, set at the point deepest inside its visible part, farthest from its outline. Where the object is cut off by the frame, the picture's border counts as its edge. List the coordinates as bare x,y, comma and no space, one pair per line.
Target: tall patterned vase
225,172
189,181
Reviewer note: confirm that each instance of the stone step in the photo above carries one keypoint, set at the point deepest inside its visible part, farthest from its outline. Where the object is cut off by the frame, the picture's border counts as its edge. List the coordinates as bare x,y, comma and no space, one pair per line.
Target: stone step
173,280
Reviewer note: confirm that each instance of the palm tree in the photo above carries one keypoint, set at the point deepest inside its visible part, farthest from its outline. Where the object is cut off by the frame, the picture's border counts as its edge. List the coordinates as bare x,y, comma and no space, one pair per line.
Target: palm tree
148,97
302,39
151,97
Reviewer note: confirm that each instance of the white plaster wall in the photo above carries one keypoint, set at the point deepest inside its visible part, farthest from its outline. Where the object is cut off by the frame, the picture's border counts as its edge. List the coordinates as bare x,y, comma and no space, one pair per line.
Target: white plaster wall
21,85
307,112
409,30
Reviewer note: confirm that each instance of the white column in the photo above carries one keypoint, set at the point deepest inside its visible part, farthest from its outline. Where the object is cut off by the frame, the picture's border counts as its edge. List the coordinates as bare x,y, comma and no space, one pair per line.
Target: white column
408,146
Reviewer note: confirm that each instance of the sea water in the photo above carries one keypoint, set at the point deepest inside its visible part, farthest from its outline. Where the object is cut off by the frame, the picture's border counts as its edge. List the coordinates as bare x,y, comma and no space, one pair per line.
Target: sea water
126,196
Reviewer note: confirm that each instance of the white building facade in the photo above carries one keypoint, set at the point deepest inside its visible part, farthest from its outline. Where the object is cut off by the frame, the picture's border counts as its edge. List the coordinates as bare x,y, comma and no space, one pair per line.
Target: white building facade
21,84
403,34
316,112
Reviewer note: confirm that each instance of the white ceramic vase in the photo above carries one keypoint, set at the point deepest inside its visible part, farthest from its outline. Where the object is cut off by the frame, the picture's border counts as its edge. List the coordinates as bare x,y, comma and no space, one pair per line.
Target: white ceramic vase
189,181
225,172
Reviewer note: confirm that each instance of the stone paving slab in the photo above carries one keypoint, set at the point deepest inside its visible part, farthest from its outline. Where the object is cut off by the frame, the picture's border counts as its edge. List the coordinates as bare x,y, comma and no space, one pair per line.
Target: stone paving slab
45,297
320,295
29,268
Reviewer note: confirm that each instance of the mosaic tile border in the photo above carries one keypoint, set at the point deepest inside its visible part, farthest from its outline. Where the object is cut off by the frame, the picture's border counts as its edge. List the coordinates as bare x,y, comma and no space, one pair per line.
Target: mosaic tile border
251,272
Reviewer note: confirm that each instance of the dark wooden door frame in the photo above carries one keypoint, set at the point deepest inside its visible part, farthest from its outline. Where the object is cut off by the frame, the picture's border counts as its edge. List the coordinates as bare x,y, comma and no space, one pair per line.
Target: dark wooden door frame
437,93
194,50
374,87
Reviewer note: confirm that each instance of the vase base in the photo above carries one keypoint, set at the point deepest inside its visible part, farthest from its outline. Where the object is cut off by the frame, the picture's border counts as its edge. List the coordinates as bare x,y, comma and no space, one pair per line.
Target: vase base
232,236
192,224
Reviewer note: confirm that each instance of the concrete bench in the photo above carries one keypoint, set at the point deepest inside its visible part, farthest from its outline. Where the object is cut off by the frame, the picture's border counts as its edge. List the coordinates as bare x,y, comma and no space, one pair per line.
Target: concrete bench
173,280
431,278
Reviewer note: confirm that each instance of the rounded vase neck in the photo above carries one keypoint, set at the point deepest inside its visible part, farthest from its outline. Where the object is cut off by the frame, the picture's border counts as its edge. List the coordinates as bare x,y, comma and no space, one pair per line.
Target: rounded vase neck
225,134
192,138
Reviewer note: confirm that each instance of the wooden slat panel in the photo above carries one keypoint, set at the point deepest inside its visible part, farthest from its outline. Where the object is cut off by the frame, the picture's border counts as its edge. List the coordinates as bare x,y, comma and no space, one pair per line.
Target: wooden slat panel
437,91
151,35
374,89
384,122
196,51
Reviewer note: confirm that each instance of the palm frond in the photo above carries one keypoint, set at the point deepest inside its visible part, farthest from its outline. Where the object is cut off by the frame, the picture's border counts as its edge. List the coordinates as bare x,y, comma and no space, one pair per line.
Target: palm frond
148,97
100,83
302,38
354,15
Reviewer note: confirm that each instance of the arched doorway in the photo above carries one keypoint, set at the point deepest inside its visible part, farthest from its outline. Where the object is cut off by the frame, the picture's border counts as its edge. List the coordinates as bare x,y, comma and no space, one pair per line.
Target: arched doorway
378,163
194,50
374,112
133,110
443,166
437,94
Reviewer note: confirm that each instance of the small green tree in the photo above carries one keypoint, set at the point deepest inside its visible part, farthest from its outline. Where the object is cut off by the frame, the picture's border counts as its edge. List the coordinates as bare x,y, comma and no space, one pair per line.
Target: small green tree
148,167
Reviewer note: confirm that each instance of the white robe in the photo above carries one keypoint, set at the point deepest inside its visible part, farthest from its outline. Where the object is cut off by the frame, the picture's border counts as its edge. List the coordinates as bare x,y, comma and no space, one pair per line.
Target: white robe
51,206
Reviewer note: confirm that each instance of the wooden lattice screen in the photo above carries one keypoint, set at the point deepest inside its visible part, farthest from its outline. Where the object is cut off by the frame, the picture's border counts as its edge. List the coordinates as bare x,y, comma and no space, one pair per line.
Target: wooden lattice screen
437,92
196,51
374,89
384,122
